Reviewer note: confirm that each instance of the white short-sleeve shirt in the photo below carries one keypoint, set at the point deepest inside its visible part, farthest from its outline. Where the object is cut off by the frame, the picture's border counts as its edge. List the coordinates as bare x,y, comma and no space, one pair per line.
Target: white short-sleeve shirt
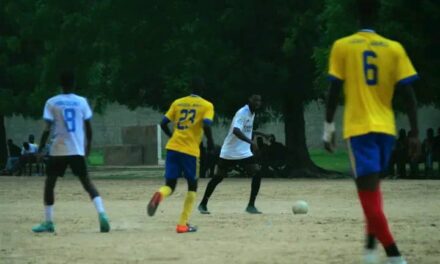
234,148
67,112
33,148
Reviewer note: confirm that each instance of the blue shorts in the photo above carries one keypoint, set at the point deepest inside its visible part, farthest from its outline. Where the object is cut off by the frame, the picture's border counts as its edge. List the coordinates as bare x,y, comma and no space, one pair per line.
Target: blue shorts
370,153
178,163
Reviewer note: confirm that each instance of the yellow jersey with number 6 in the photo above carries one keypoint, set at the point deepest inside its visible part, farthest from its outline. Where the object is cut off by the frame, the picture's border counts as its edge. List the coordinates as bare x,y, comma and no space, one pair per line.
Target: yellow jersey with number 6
370,66
188,115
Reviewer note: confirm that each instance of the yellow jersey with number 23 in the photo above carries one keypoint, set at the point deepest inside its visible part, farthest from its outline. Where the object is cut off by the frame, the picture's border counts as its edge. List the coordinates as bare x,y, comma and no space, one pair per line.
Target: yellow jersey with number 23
370,66
188,115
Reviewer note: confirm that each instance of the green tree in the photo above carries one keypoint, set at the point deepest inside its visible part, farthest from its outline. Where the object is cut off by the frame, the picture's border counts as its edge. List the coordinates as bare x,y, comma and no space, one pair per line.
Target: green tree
19,64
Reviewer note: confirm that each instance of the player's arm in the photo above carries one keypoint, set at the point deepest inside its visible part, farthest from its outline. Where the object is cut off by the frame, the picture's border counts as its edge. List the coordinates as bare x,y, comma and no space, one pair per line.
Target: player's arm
330,110
208,134
89,135
238,133
168,117
44,136
411,106
48,116
407,92
337,76
164,126
207,123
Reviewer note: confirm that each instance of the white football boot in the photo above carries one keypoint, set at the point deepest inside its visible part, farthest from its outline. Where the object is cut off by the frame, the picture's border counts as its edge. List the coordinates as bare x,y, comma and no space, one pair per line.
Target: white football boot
396,260
370,257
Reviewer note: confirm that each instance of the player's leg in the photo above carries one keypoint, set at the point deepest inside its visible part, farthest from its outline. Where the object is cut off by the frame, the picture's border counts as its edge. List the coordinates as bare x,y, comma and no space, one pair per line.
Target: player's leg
223,166
190,167
252,170
79,168
56,166
368,162
172,173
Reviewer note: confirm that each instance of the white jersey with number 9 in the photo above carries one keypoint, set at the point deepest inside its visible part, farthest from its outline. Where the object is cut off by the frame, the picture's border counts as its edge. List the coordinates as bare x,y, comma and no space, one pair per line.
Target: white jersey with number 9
67,113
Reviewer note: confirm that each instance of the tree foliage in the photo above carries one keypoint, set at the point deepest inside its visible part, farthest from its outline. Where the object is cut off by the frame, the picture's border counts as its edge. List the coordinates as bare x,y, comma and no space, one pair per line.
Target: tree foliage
143,53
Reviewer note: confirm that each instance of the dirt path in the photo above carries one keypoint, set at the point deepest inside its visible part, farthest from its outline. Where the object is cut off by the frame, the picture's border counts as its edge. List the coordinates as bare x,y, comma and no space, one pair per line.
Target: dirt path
330,233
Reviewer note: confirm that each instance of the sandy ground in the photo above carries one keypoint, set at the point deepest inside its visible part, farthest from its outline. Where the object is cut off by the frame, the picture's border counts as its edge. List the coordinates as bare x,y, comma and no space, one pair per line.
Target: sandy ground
330,233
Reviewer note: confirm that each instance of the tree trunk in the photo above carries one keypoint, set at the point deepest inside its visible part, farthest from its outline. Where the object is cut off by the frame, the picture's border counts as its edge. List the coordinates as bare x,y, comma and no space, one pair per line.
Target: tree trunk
298,157
3,150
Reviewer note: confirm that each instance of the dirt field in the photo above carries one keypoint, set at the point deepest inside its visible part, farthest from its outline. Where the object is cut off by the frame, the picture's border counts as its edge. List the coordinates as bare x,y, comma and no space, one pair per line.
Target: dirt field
330,233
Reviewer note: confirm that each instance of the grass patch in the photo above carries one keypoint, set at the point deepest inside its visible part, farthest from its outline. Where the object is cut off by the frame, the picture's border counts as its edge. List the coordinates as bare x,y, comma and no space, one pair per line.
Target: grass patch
338,161
96,158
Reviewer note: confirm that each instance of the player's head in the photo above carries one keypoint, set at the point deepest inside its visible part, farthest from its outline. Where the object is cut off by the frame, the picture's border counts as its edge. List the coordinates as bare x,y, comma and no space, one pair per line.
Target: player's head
67,81
430,133
255,101
260,142
26,145
272,138
368,11
10,142
197,85
31,138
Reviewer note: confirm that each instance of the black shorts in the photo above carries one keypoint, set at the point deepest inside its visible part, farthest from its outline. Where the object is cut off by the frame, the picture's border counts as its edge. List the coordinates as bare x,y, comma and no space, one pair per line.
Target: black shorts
226,164
57,165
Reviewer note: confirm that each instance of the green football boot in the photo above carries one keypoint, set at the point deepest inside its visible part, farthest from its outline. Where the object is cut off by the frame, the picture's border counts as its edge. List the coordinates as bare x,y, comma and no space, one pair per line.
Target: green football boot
46,226
104,224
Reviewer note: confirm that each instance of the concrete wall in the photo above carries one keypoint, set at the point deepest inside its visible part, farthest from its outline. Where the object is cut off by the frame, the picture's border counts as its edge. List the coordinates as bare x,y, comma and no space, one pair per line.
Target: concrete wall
108,126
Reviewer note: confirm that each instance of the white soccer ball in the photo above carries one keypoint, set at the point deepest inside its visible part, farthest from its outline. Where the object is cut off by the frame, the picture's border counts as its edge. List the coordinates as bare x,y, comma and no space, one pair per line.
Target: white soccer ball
300,207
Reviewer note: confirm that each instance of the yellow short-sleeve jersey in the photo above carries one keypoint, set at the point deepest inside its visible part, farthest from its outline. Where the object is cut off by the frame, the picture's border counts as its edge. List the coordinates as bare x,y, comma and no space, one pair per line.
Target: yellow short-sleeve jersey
188,115
370,66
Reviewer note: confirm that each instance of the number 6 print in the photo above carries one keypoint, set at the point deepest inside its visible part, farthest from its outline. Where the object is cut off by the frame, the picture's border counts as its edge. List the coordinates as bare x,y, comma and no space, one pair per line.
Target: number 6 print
370,68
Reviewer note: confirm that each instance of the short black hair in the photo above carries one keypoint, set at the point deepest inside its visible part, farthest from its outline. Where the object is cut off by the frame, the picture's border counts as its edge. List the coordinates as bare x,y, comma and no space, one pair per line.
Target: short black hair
67,79
368,11
198,84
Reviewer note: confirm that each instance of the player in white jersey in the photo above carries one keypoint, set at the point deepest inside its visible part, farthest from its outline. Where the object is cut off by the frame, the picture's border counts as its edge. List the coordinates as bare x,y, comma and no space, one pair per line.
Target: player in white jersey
68,115
236,149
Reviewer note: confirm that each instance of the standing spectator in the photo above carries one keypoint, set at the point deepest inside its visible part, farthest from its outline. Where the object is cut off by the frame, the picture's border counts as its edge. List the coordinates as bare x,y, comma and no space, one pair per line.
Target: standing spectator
436,150
428,150
414,154
401,153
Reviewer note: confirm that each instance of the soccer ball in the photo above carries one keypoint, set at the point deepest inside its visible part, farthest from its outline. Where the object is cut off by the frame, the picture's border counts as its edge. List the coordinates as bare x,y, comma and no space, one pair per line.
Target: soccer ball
300,207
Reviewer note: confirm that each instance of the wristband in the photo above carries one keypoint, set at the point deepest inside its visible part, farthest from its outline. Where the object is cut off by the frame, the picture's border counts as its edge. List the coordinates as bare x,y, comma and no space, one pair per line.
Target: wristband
329,129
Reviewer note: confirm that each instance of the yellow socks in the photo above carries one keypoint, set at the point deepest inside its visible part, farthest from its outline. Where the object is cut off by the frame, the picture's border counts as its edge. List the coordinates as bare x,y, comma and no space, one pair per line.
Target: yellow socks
187,207
165,191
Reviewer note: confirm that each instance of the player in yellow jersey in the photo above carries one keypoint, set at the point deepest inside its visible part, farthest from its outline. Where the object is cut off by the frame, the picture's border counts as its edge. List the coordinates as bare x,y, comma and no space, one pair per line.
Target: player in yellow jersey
191,116
370,69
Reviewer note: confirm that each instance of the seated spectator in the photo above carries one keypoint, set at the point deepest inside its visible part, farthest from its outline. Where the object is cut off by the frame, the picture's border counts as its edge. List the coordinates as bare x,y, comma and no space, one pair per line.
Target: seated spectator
33,148
29,153
277,152
274,156
427,150
14,153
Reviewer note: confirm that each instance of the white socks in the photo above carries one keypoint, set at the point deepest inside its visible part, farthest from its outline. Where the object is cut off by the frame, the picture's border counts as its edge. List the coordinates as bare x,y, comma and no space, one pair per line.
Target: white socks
97,201
48,209
48,213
